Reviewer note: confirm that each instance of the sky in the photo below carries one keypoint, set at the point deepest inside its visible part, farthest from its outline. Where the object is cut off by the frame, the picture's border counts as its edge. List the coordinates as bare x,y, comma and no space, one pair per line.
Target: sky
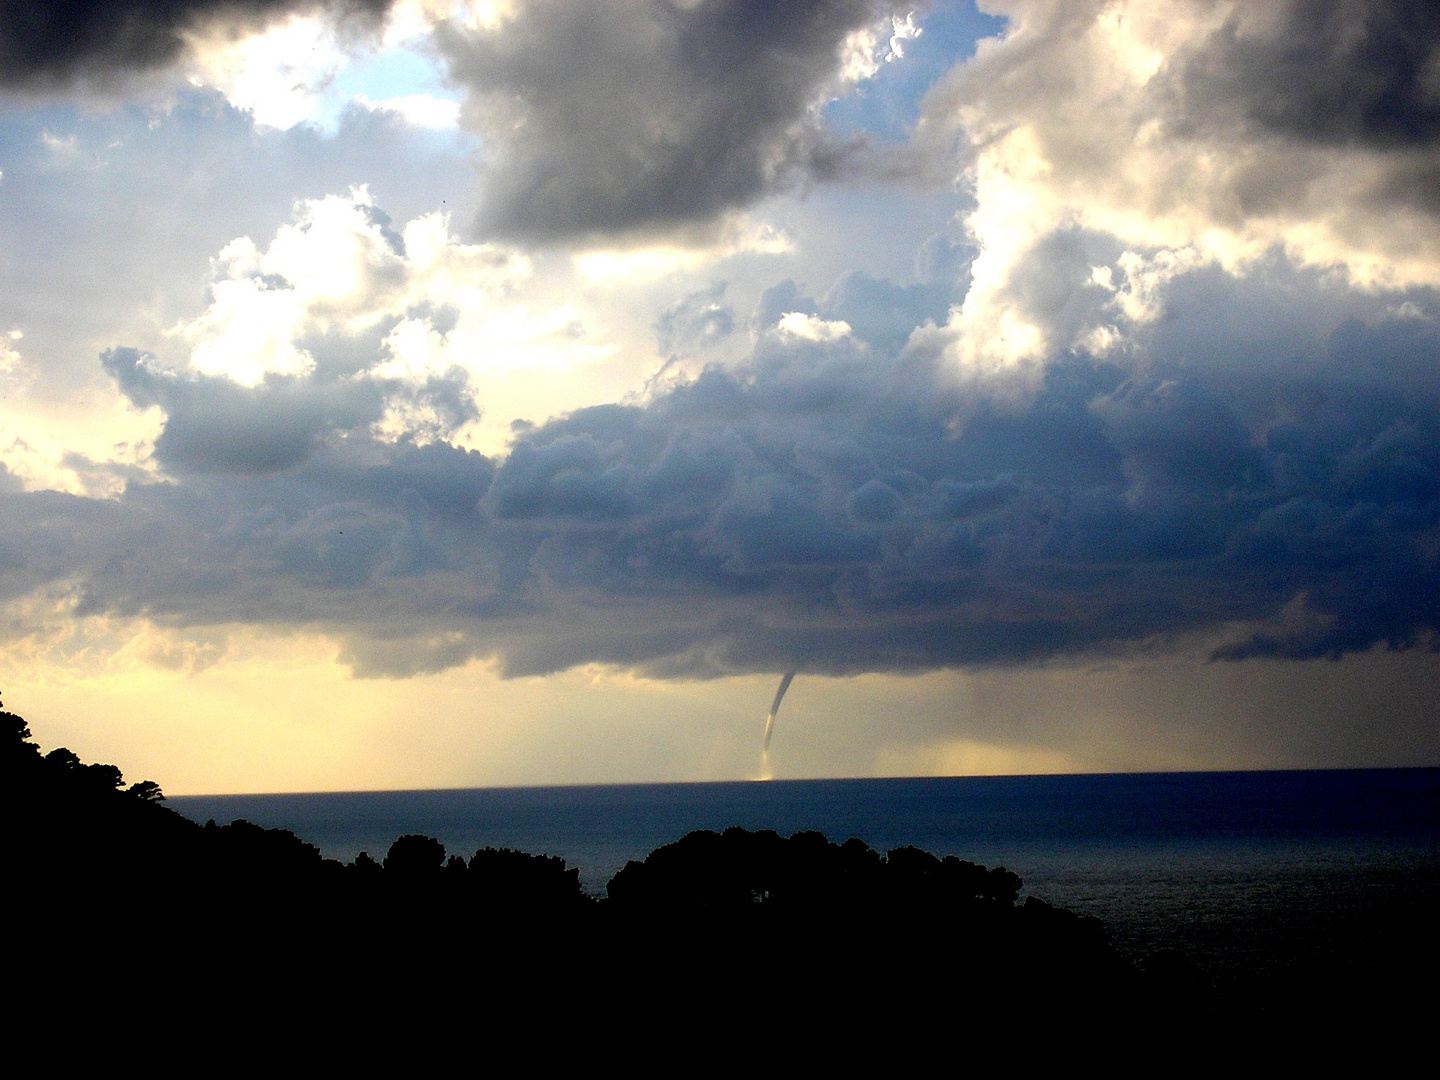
435,394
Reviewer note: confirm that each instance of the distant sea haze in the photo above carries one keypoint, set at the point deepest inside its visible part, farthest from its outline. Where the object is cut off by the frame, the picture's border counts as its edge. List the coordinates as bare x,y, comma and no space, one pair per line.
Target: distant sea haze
1243,871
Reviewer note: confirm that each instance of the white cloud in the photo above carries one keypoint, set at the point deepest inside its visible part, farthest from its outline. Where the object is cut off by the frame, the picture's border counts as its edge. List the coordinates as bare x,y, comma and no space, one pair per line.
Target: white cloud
309,68
63,149
419,110
337,267
452,309
797,324
1132,121
277,75
414,19
736,234
866,50
51,445
332,268
9,356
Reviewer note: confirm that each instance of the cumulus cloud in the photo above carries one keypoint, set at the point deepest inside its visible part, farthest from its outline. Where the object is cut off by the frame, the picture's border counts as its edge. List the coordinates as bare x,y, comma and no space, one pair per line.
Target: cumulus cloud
53,44
342,319
1142,140
605,118
339,268
105,240
797,324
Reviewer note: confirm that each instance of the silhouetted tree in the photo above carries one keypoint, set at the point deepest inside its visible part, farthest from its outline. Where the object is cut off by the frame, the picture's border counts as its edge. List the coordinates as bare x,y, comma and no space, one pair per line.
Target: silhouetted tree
714,928
366,864
414,855
519,881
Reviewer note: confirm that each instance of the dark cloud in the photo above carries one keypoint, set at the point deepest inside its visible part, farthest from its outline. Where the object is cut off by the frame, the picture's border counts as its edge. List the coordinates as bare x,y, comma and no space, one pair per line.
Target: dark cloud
605,117
833,507
46,45
216,426
1363,72
1358,75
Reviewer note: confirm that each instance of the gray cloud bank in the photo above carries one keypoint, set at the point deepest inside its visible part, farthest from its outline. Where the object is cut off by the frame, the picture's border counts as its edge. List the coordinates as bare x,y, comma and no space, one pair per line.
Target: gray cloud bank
1258,463
51,44
1362,75
607,117
617,116
837,506
1362,71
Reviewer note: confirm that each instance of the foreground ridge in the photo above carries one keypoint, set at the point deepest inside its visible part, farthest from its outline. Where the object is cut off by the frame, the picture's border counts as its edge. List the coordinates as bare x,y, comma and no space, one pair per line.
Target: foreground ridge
716,931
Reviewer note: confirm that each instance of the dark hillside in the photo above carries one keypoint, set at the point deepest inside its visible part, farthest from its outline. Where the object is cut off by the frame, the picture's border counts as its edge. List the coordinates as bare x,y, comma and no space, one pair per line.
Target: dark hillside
741,942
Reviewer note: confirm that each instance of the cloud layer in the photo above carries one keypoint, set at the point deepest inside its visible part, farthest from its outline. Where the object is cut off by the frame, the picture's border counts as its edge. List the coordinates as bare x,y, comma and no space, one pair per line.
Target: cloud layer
836,505
1185,389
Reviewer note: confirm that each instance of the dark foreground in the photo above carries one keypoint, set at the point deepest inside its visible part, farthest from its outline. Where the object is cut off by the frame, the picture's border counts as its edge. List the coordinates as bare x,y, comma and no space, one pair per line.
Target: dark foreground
140,931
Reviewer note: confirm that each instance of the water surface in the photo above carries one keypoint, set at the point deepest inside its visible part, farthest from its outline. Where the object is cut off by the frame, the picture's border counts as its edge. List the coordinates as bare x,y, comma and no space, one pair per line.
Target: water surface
1242,870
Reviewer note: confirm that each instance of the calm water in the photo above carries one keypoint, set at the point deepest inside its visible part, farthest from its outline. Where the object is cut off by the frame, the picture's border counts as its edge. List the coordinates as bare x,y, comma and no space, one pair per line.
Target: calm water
1240,870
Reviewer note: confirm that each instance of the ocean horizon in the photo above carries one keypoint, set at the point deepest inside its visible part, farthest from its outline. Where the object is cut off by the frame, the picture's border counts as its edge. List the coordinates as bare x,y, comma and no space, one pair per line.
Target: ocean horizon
1243,871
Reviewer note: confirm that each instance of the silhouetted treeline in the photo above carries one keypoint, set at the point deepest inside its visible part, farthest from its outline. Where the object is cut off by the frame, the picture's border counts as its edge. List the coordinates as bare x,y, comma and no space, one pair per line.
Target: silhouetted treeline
729,944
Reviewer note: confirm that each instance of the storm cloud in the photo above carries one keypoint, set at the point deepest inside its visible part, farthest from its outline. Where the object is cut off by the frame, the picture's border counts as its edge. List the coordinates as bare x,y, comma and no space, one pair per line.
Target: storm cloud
50,45
1357,77
1365,72
836,504
603,118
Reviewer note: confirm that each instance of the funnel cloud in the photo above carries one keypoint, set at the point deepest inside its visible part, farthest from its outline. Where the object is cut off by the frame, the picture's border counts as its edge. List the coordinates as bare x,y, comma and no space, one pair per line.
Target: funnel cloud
785,682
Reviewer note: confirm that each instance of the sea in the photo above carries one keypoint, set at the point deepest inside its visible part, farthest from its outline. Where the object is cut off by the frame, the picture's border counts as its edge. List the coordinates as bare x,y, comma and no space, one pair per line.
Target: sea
1243,872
